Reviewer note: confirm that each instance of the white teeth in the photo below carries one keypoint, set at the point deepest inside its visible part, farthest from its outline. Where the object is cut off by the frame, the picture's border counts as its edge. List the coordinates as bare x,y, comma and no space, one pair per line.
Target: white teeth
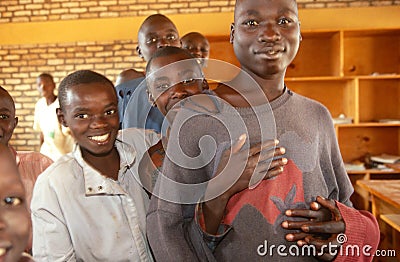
271,52
102,138
2,251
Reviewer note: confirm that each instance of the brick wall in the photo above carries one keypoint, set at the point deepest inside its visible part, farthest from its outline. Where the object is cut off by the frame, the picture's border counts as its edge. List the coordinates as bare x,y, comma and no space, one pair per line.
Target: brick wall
21,64
45,10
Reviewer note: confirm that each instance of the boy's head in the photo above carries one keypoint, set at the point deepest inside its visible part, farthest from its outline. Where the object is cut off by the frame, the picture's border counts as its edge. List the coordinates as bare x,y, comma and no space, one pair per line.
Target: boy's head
89,107
45,85
173,74
156,32
8,121
197,44
265,35
15,220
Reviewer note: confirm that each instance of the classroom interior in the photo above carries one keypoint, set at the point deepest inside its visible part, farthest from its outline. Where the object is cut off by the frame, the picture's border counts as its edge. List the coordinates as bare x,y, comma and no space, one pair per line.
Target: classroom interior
349,60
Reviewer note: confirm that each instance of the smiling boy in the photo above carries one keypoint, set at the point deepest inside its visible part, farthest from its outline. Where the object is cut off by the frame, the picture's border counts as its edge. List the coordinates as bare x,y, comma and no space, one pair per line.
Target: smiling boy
88,206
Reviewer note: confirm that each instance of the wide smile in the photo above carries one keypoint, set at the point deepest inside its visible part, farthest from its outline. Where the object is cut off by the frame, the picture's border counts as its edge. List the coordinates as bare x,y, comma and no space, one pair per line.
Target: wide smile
100,139
3,252
270,52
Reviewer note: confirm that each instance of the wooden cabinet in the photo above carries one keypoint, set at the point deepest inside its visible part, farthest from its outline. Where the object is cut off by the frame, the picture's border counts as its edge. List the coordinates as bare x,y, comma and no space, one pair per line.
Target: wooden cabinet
355,73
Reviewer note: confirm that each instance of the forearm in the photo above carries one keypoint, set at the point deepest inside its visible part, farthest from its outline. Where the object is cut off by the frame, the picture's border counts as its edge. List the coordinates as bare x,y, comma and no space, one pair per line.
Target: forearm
362,230
213,212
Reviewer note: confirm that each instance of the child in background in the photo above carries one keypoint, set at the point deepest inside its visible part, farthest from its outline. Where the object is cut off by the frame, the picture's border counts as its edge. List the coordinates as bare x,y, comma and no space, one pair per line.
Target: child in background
156,31
88,206
14,216
198,45
245,225
54,140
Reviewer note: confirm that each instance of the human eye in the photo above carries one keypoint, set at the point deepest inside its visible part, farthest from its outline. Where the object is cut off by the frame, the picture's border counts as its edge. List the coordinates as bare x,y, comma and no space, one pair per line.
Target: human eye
151,40
161,87
82,116
4,116
171,37
12,201
188,81
250,23
284,21
110,112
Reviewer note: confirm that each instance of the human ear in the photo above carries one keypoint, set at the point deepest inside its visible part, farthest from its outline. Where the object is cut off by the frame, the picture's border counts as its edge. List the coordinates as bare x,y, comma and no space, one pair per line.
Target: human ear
15,123
150,98
205,84
232,33
60,117
139,51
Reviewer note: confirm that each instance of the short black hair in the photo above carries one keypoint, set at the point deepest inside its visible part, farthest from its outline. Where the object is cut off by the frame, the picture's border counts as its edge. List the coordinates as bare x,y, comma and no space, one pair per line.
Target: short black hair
167,51
46,75
80,77
2,89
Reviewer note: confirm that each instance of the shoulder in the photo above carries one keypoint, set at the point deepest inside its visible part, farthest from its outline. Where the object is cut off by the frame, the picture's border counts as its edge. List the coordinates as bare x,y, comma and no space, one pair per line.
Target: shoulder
310,105
59,171
40,103
32,156
127,75
138,136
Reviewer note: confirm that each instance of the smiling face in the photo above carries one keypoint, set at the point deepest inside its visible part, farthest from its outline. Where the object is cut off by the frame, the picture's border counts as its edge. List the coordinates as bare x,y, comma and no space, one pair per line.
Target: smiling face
14,216
8,121
90,110
172,78
265,35
156,32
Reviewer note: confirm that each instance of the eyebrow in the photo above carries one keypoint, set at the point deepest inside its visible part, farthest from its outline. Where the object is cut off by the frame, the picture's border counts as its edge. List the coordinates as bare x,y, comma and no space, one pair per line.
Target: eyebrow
87,108
5,109
187,71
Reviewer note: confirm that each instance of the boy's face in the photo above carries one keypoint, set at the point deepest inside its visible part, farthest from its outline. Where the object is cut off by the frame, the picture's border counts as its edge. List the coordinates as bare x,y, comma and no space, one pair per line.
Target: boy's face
197,45
156,33
8,121
265,35
45,86
91,113
15,221
171,84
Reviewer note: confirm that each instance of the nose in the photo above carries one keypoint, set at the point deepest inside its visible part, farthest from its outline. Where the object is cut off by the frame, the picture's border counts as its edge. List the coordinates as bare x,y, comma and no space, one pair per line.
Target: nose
196,52
163,42
269,32
178,92
98,122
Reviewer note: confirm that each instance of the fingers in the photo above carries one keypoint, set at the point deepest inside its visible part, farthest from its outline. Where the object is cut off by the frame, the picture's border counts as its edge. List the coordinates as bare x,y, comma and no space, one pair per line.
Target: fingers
239,143
294,237
257,148
318,215
331,206
327,248
329,227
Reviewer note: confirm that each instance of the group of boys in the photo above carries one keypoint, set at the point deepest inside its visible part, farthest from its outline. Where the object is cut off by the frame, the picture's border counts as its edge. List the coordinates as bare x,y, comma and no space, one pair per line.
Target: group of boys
89,206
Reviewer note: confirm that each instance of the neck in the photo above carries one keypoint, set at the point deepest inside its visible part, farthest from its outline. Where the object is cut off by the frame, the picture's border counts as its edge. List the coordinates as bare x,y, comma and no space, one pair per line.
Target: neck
107,164
271,87
50,99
